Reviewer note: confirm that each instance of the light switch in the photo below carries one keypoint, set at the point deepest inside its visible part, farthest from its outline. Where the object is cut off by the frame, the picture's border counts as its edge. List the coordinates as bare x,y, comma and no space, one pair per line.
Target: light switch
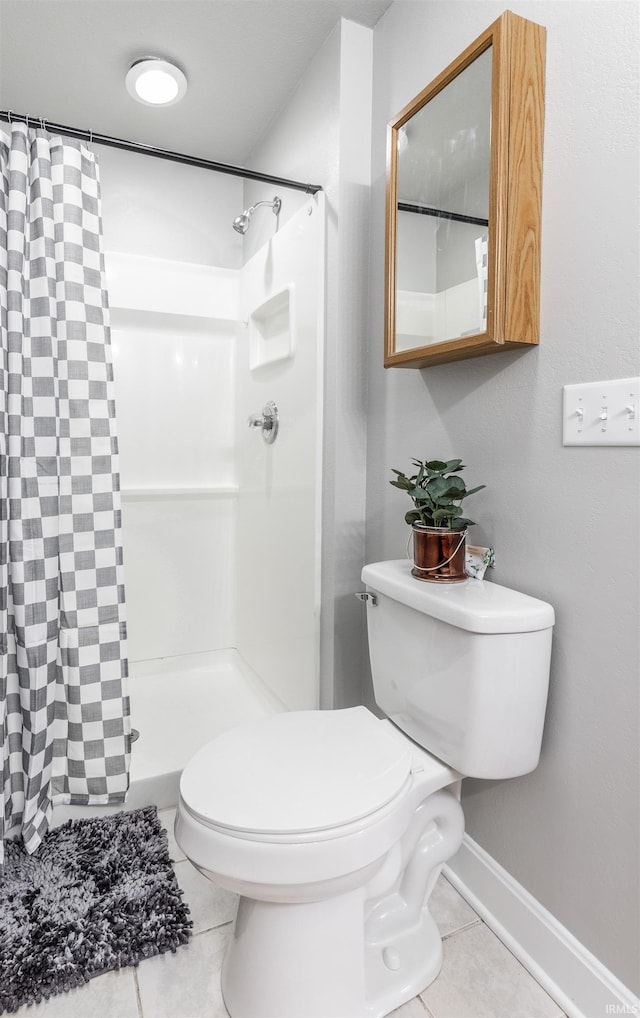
602,413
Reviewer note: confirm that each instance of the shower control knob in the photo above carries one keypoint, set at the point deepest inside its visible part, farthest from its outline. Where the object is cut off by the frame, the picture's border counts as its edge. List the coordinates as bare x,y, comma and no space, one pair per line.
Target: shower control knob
267,421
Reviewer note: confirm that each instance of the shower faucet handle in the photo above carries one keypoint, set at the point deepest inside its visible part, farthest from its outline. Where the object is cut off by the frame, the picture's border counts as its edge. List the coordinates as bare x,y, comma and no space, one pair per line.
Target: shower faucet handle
267,421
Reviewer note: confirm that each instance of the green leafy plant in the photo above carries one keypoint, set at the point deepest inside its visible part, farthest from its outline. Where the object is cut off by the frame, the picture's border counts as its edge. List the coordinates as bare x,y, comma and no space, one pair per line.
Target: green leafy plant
436,492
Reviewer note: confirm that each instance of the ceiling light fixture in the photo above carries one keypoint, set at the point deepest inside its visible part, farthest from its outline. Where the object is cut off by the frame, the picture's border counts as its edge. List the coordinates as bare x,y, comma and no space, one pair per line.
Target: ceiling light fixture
155,82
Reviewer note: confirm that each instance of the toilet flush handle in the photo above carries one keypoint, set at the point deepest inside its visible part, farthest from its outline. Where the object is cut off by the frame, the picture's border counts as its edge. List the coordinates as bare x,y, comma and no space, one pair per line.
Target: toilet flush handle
365,595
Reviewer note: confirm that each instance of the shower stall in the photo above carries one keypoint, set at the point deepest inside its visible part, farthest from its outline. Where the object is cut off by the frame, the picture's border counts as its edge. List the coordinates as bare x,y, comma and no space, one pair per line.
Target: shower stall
221,528
223,533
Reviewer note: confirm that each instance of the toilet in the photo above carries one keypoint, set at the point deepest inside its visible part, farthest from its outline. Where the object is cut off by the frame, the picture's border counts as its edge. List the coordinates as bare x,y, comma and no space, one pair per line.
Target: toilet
333,826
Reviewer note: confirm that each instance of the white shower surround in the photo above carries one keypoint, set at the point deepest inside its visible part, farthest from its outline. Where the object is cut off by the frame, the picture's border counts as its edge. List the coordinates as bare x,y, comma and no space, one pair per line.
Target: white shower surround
221,629
279,485
173,338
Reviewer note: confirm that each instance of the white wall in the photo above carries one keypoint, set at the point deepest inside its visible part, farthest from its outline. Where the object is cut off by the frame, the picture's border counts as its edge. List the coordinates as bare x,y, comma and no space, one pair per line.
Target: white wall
323,136
168,210
563,521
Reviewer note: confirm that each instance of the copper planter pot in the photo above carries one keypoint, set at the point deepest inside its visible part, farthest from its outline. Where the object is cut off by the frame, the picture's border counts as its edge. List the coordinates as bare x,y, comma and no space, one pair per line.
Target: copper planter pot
438,554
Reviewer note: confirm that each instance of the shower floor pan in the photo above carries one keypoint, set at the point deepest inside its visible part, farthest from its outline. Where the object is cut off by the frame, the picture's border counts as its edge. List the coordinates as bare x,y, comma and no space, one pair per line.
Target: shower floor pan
178,704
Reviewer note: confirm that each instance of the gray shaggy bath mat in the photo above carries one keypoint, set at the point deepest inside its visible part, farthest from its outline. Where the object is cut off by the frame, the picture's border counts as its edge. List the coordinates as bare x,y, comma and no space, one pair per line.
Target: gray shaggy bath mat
98,894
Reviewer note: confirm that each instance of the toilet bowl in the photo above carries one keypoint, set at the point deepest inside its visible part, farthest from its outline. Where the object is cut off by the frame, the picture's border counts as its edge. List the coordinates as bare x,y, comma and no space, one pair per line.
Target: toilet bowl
333,826
321,866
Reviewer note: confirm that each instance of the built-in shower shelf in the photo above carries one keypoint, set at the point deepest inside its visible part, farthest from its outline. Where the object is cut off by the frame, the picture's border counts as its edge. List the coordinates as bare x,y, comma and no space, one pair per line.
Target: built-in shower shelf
174,492
271,331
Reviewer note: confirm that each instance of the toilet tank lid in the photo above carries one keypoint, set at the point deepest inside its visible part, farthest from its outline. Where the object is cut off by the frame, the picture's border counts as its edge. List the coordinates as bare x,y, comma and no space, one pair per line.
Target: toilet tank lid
475,605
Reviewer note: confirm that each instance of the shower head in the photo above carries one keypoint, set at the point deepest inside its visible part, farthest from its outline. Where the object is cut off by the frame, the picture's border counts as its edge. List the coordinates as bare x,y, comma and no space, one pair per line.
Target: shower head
242,222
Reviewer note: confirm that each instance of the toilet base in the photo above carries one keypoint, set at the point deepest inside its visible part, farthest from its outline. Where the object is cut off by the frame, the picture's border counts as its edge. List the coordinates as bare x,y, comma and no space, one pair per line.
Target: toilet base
399,971
272,968
359,954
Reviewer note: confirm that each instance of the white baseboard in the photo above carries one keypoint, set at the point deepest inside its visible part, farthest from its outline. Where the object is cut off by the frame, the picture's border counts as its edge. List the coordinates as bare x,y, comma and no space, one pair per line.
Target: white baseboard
574,977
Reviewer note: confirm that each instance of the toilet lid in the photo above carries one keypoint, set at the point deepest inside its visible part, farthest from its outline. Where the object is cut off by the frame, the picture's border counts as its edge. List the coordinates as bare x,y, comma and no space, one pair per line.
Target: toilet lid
297,772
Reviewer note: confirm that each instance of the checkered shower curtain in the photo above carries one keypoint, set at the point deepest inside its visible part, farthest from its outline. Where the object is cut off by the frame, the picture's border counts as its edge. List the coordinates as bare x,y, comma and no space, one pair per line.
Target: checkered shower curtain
64,711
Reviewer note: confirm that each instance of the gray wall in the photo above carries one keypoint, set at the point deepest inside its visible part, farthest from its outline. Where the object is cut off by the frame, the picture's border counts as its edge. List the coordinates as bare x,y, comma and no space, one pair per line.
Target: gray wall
564,522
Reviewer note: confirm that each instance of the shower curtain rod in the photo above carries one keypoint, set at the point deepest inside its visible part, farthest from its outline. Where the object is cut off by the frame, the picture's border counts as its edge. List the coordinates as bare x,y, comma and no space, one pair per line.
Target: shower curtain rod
160,153
425,210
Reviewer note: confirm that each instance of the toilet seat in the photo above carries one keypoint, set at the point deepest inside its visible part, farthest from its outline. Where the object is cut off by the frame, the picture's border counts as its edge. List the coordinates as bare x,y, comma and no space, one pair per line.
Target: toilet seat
286,831
297,773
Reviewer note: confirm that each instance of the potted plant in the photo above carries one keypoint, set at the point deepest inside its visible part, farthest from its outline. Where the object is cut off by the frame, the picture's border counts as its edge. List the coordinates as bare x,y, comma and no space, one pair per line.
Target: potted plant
439,528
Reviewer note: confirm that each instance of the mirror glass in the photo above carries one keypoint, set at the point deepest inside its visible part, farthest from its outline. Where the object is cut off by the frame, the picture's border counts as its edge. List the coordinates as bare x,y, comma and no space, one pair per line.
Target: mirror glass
442,214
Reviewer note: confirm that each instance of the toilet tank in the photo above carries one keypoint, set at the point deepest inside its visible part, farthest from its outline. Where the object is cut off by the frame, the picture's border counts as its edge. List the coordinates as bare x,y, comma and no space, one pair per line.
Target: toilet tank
462,668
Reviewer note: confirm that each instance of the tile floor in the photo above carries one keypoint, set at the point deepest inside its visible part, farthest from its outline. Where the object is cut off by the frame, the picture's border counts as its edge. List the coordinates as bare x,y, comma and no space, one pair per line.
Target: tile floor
480,978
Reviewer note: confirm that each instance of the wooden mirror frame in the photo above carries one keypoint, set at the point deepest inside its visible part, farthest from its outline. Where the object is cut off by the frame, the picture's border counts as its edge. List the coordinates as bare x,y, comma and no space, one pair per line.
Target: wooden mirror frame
515,196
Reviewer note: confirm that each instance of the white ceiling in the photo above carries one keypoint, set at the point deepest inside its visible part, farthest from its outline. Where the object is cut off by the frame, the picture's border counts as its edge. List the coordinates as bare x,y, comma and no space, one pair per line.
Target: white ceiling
66,60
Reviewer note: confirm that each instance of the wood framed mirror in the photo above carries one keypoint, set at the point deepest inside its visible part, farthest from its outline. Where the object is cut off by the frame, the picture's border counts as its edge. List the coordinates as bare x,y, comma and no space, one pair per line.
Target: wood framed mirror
463,204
